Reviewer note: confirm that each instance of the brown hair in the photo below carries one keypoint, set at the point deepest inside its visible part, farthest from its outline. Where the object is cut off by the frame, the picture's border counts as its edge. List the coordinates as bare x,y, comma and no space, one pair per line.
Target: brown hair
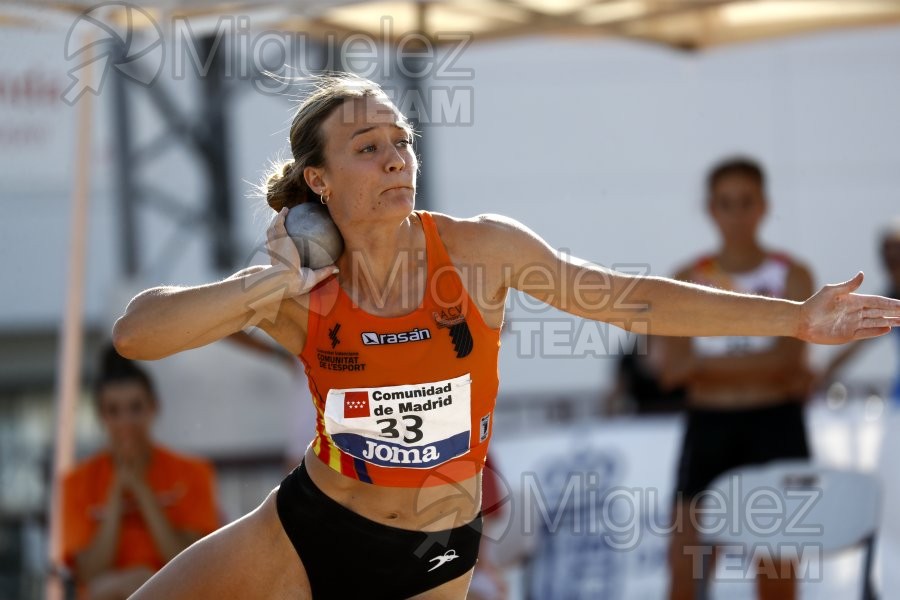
736,165
284,185
890,237
114,368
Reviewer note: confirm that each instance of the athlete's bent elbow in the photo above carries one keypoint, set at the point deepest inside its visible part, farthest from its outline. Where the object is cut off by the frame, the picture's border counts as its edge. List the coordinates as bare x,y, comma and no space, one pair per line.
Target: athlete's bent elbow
130,335
123,339
129,343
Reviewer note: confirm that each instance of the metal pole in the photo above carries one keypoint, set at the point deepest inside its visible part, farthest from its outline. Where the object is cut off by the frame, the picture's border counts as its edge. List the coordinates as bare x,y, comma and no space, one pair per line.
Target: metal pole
125,187
221,217
69,358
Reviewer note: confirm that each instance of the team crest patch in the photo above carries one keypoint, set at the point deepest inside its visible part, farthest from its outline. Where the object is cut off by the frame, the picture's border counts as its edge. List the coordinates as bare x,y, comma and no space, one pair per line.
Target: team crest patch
453,319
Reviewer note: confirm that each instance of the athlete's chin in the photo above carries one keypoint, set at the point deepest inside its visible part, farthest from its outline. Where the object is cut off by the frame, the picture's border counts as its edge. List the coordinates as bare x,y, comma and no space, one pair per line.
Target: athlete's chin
401,200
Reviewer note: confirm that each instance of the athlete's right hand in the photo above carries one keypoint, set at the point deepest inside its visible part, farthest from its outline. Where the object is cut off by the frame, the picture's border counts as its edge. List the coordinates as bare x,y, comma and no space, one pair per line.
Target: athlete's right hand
283,254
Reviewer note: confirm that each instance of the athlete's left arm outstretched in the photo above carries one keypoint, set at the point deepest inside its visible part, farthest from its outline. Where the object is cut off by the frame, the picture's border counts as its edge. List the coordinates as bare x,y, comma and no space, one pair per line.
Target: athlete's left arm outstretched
662,306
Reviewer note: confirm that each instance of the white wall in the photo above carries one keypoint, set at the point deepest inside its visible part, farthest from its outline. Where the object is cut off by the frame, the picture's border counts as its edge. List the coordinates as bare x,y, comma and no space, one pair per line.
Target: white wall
602,146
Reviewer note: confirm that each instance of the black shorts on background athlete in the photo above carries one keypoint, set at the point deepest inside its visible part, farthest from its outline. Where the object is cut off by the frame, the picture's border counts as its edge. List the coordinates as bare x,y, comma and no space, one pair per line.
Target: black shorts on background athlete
716,441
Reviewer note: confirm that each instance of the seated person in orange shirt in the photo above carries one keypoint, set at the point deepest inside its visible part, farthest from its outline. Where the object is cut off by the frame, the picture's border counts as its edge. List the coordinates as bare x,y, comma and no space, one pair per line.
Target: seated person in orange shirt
132,507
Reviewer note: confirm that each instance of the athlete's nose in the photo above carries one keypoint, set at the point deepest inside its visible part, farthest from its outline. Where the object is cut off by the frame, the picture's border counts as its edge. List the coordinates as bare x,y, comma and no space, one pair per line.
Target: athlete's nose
395,162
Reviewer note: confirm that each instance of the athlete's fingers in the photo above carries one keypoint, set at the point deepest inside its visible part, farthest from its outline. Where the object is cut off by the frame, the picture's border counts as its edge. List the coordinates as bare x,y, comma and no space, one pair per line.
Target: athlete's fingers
882,303
879,322
276,227
889,306
280,246
871,332
312,277
279,220
848,286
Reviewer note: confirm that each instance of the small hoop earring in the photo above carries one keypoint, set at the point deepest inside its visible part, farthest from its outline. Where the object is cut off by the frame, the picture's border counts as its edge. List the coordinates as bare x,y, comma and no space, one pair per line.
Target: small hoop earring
323,198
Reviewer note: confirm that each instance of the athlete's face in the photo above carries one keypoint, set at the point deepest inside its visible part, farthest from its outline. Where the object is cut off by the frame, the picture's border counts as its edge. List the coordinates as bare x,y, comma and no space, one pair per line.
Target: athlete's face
737,205
127,412
370,167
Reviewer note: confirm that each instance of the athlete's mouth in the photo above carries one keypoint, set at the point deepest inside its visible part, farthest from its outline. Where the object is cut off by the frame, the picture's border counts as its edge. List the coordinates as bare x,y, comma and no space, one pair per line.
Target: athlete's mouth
398,187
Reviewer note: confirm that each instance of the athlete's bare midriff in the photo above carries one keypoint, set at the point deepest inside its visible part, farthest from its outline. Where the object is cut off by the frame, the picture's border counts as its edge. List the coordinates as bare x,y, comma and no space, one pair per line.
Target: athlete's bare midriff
724,397
432,508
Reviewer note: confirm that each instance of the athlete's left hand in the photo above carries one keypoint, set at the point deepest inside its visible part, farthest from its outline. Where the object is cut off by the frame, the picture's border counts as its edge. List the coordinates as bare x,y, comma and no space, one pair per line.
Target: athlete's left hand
835,315
283,253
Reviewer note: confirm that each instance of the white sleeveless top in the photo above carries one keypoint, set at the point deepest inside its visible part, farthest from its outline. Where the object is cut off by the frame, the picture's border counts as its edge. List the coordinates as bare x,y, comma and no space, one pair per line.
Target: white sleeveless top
768,279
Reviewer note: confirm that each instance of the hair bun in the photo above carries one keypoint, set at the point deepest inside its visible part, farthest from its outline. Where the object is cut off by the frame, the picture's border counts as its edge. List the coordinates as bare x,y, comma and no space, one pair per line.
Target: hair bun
284,187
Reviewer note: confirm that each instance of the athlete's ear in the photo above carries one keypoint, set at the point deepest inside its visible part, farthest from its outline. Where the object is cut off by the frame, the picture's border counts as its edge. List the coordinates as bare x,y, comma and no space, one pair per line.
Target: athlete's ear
314,177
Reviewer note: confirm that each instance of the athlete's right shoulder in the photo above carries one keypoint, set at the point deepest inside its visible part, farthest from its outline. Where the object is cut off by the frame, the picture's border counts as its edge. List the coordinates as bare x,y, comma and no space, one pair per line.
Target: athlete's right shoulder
690,270
87,467
477,222
487,237
476,233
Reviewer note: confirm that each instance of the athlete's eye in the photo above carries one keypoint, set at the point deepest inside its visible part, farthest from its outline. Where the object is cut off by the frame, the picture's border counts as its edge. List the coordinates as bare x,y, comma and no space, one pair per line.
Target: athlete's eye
368,148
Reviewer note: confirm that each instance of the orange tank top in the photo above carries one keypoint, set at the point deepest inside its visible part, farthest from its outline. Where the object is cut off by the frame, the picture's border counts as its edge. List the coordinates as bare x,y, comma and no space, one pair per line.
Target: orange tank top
403,401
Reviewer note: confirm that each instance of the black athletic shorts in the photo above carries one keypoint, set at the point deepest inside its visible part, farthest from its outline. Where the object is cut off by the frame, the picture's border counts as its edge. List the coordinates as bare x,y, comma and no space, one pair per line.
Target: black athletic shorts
718,440
349,556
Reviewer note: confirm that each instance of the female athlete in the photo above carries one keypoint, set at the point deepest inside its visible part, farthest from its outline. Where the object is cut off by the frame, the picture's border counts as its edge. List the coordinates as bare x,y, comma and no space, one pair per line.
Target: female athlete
400,342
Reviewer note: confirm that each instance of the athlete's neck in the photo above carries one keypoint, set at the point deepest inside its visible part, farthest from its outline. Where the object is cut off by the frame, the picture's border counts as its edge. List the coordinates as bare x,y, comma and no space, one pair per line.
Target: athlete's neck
384,266
137,456
736,257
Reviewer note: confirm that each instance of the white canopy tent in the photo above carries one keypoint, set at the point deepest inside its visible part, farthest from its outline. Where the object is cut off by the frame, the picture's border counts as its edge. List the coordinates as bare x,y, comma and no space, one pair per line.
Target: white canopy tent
683,24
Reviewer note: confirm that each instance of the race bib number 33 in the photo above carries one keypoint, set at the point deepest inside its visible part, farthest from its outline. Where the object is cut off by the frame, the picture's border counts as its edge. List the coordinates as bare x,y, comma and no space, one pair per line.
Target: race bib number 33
410,426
